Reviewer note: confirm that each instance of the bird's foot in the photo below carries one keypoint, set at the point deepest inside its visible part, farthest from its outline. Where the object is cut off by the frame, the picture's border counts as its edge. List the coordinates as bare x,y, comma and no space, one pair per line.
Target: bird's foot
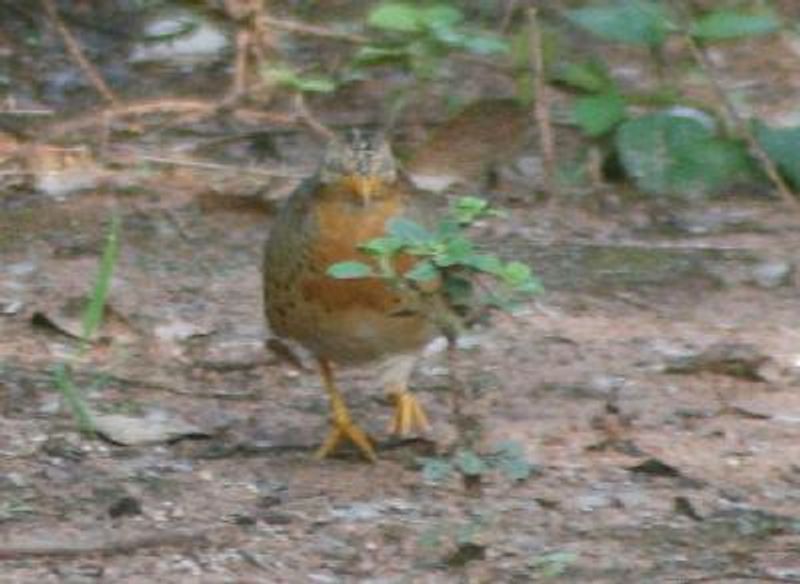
408,414
344,429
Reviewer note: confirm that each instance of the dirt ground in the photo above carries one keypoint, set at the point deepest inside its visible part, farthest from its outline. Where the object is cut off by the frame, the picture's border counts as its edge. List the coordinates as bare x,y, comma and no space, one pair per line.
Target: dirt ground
654,387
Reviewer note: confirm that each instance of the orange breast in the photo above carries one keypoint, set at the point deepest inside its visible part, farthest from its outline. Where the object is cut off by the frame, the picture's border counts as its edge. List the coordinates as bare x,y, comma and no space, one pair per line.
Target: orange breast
341,227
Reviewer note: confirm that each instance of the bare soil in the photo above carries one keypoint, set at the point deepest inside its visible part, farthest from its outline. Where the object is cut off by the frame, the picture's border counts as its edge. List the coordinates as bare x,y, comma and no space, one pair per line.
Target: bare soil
654,386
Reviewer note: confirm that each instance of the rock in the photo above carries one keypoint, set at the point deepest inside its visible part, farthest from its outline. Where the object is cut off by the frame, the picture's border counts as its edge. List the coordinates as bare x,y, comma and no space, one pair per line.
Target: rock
772,274
180,37
156,427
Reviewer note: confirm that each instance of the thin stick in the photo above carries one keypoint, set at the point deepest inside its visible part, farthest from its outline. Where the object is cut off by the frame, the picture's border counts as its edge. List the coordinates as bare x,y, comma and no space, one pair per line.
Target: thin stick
102,543
27,112
740,127
165,105
508,13
277,173
76,52
305,116
541,105
239,82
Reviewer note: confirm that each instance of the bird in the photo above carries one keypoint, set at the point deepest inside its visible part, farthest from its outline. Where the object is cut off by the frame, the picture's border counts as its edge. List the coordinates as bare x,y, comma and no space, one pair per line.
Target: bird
358,188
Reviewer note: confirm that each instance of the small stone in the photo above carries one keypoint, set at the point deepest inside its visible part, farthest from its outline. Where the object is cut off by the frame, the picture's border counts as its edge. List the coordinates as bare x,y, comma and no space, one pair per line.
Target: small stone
772,274
10,307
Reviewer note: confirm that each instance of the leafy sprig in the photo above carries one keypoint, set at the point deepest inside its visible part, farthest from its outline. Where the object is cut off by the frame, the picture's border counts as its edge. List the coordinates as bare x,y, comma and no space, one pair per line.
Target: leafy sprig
446,254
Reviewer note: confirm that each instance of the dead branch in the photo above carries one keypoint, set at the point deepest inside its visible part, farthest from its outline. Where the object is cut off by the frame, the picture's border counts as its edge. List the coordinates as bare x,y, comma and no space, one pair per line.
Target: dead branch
164,106
305,117
541,104
216,167
76,52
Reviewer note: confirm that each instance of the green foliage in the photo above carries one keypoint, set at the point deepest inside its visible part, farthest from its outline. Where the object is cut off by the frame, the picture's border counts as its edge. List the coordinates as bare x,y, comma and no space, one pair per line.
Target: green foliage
507,458
599,114
649,23
446,254
635,22
93,315
666,153
350,270
591,76
733,24
418,37
783,147
92,320
553,565
285,76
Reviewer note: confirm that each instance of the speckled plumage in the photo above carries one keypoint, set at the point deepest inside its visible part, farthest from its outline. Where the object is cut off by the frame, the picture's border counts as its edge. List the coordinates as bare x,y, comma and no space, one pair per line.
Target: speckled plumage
344,321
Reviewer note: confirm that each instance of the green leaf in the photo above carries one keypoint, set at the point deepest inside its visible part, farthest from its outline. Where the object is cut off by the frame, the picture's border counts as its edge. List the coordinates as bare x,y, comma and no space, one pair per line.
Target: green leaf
440,16
396,16
733,24
516,273
459,290
510,460
382,246
468,209
374,55
287,77
408,231
315,84
636,22
486,44
349,270
488,263
666,153
435,470
554,564
93,315
592,76
62,376
598,114
456,251
783,147
423,271
470,464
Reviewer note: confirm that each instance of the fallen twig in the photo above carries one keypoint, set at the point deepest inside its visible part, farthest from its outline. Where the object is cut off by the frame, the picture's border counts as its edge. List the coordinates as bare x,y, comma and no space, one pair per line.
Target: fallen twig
305,117
275,173
76,52
164,106
105,542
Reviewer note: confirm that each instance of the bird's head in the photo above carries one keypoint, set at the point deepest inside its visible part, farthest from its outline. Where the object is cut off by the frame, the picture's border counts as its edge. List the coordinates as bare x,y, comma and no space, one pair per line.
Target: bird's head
362,162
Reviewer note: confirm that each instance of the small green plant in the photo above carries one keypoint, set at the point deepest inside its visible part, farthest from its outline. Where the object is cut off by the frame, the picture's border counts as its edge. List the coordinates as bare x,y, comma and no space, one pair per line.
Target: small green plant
419,36
92,319
441,281
553,564
676,146
507,459
457,542
445,254
285,76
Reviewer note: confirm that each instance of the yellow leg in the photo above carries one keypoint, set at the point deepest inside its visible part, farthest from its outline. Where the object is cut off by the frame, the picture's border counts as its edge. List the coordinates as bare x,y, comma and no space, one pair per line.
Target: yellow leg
342,425
408,414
